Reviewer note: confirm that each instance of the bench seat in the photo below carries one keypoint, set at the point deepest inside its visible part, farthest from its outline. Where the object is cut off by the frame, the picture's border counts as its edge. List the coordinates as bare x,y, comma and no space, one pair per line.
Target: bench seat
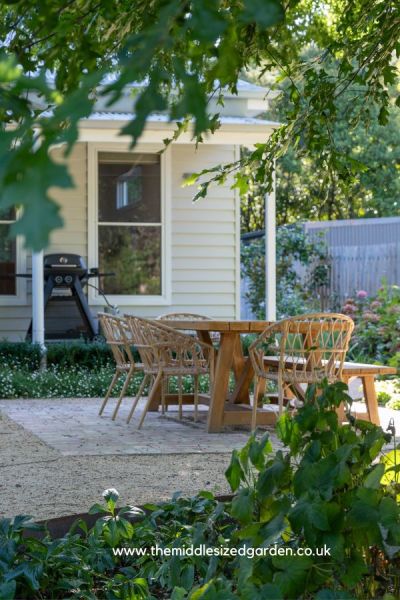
352,370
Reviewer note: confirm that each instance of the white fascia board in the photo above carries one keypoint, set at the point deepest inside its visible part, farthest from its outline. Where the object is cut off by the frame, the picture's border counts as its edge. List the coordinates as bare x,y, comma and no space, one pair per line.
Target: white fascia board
246,134
259,104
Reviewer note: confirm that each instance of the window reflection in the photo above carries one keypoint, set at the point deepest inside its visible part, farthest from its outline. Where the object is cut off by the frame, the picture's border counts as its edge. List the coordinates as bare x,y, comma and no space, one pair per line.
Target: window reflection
129,223
8,259
134,255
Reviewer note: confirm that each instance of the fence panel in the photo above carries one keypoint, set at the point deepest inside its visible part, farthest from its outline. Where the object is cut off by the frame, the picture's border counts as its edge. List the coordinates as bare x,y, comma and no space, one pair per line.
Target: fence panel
362,252
363,268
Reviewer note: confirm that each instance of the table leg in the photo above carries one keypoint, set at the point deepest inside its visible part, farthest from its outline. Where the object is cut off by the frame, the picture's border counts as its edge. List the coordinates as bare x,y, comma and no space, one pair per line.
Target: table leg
244,374
240,394
340,409
238,357
156,398
371,400
221,381
204,336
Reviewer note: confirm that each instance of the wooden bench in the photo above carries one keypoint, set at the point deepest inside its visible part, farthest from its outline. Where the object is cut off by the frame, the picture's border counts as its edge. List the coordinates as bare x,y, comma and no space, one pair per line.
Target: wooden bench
367,374
351,370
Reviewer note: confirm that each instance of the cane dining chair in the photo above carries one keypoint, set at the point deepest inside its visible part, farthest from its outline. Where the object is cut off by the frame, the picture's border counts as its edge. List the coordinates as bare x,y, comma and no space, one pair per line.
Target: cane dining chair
305,349
166,352
214,336
118,337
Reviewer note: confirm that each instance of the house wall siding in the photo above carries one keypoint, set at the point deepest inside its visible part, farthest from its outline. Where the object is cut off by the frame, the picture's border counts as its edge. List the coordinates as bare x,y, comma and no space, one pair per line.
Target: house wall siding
14,320
204,242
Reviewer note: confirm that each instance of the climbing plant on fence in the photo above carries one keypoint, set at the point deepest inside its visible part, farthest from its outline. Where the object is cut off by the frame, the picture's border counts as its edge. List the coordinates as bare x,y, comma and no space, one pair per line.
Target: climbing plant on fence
295,295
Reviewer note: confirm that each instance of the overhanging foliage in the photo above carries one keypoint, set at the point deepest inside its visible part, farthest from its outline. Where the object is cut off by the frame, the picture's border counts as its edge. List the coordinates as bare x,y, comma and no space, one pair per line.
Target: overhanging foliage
184,52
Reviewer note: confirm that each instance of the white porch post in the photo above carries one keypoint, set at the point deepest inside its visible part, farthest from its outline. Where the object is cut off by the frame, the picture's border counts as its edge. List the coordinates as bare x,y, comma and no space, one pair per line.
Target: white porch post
270,255
38,299
38,289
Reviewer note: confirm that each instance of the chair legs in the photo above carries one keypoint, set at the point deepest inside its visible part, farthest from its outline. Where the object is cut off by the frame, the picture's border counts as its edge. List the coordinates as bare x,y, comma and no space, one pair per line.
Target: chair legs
150,398
196,398
257,388
110,389
124,388
180,396
158,380
164,384
138,396
281,396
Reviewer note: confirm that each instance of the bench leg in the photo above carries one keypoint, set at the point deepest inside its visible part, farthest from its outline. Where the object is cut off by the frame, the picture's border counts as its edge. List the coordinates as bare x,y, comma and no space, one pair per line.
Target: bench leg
340,409
370,397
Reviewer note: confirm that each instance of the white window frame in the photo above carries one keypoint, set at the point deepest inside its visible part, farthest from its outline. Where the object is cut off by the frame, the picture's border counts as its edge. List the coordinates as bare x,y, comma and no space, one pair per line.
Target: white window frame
19,298
93,224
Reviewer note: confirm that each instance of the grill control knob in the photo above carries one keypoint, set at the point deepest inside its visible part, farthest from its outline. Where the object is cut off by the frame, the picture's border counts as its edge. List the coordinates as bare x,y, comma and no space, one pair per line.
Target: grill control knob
68,279
58,279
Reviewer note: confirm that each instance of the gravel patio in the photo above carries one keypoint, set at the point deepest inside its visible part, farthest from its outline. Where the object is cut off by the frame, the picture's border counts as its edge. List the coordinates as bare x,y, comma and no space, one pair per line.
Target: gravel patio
57,456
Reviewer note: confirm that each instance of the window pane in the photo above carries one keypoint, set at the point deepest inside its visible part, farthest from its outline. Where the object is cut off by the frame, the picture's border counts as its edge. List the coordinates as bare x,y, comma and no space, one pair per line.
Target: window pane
7,262
7,214
129,192
134,255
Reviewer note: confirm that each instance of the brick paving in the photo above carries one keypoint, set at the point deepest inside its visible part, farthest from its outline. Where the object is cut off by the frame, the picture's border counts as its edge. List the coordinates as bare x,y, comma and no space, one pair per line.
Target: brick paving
58,456
73,427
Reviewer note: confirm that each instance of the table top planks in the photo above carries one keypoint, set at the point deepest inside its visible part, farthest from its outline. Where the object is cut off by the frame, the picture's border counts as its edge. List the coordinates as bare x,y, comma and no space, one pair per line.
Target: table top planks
225,325
220,326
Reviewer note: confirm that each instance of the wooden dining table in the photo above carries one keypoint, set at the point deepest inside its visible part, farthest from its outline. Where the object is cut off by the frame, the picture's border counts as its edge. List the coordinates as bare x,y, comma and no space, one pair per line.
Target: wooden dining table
232,407
225,407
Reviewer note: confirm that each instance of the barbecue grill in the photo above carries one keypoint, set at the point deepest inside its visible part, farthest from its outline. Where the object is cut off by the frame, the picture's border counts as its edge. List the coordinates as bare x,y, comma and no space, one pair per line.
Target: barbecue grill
65,276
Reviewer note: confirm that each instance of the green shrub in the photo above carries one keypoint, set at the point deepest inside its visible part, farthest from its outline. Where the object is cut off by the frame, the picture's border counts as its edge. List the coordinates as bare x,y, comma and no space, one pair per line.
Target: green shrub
59,383
331,490
383,398
85,567
325,490
394,403
19,354
293,295
377,325
92,355
75,382
74,369
394,361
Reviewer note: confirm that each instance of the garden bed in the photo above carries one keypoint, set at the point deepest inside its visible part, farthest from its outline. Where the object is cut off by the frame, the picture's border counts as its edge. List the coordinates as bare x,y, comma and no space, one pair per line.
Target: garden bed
74,370
60,526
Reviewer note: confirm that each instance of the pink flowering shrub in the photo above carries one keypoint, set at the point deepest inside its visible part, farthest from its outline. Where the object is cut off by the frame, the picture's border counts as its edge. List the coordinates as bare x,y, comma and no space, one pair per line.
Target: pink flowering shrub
377,333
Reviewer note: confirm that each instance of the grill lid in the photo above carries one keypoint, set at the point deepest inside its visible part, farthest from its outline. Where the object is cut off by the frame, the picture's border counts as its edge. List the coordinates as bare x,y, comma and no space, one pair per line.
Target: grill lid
64,261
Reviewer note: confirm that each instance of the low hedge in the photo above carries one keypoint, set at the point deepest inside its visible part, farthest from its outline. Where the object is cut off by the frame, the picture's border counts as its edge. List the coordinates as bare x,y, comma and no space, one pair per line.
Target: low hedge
73,382
56,382
90,355
74,370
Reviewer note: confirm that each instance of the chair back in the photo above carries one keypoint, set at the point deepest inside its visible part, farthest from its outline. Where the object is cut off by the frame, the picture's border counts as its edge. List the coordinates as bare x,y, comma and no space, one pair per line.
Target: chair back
214,336
183,317
145,338
162,346
118,337
310,347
